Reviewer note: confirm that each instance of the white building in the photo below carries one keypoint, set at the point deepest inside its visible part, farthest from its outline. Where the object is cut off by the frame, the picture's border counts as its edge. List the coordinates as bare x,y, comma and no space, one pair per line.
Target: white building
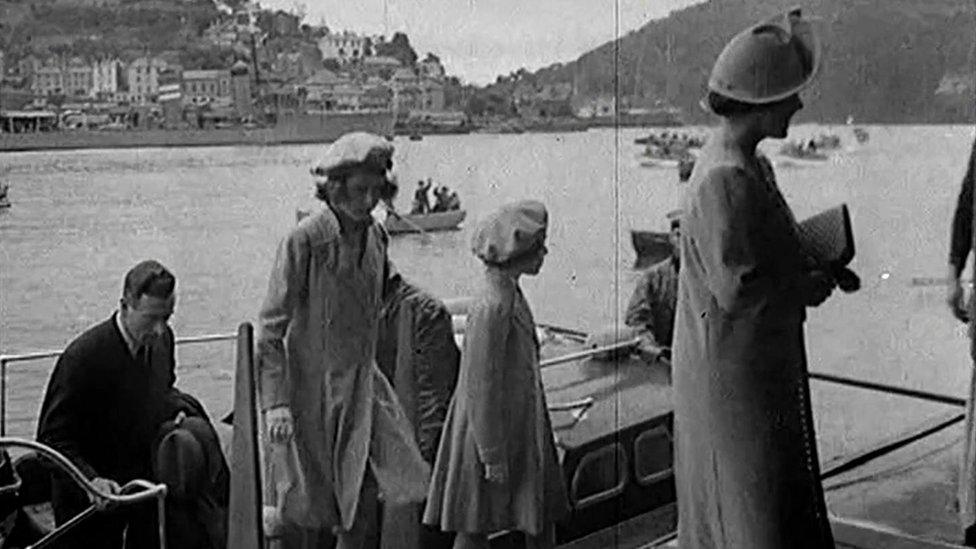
207,87
345,46
142,77
105,77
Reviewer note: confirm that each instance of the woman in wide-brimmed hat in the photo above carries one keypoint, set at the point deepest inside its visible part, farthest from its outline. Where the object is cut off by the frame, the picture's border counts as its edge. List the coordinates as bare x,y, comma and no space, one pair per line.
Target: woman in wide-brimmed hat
746,461
496,466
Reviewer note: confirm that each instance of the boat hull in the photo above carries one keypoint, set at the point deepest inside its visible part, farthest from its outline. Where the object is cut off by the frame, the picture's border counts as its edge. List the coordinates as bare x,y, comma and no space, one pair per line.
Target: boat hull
290,129
439,221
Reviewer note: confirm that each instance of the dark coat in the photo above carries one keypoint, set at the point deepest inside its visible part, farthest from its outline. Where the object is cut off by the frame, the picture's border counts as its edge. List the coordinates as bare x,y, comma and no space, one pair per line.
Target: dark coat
103,410
432,366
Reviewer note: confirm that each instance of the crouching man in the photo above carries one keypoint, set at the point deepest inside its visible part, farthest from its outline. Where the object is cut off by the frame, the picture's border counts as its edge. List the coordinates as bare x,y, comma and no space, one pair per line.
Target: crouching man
112,409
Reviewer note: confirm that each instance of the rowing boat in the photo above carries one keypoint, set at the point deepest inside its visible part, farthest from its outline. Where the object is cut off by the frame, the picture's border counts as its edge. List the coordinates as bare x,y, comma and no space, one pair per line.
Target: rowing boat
431,222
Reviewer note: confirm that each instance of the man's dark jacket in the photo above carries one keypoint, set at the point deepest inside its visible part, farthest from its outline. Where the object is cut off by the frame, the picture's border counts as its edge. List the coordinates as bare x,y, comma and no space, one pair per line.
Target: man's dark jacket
103,408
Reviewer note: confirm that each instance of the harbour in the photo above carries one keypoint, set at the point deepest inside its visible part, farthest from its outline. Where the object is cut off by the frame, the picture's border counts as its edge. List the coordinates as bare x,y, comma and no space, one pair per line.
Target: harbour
214,215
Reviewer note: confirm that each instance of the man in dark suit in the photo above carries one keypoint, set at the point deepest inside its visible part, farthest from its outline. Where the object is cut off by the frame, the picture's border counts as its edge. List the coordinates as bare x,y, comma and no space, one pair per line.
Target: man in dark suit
109,395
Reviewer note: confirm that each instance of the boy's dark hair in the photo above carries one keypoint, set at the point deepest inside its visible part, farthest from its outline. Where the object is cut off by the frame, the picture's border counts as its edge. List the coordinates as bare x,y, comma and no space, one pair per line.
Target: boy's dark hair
148,278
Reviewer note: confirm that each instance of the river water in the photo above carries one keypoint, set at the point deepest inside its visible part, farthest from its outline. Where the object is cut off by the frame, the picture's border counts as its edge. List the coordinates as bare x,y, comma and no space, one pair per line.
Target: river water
80,219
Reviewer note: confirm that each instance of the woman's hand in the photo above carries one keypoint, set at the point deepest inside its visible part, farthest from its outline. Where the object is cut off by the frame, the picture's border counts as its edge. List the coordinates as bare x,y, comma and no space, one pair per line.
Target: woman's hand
280,424
816,287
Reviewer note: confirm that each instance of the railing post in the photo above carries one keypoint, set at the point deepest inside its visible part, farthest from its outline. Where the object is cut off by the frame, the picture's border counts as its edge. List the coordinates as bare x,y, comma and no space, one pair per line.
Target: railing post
3,397
246,513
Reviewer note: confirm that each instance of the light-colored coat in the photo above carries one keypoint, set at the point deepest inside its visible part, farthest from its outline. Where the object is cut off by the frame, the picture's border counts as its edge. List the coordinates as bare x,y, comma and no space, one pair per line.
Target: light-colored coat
498,416
747,474
316,348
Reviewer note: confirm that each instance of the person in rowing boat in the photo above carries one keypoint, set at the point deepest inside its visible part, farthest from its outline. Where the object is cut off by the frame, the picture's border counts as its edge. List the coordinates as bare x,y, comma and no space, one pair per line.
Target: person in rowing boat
442,196
324,397
496,466
421,203
746,467
960,246
417,353
110,393
655,296
453,201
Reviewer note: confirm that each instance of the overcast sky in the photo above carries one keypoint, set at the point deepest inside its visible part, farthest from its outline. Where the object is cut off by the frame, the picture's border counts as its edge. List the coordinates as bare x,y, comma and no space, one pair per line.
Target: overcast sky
480,39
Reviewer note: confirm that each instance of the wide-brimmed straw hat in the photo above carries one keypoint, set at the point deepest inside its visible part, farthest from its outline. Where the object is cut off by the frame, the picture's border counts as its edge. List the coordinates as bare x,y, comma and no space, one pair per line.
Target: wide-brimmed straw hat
767,62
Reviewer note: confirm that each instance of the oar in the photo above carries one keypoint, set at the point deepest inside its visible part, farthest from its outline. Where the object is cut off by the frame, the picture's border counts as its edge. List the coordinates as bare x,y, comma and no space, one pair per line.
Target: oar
418,228
572,357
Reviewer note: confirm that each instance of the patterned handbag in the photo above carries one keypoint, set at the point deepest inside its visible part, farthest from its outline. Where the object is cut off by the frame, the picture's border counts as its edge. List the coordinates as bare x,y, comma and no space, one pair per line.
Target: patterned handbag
827,237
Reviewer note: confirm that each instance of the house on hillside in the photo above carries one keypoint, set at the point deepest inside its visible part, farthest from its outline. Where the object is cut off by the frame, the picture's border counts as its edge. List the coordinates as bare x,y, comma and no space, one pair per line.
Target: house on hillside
207,87
545,101
344,47
381,66
604,105
376,98
320,85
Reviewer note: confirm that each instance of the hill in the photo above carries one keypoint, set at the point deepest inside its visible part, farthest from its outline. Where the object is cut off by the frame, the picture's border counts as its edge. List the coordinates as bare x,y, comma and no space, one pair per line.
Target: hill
885,61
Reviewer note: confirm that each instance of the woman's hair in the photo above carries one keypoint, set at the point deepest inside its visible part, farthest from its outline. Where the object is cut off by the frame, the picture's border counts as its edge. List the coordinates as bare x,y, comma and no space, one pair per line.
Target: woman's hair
726,106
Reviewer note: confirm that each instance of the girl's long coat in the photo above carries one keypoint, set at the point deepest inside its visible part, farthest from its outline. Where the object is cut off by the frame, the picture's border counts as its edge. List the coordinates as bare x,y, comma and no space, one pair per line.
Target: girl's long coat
316,349
498,415
747,473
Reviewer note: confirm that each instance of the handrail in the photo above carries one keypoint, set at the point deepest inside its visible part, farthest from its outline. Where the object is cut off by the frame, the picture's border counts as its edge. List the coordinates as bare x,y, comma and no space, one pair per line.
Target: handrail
37,355
6,359
146,491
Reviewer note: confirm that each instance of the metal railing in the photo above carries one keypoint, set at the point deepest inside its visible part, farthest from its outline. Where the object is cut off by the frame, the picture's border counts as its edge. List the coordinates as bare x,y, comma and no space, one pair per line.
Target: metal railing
135,491
13,358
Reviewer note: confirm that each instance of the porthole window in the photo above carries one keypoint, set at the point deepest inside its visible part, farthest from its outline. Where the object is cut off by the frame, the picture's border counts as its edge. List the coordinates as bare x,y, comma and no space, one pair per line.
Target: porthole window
599,476
653,451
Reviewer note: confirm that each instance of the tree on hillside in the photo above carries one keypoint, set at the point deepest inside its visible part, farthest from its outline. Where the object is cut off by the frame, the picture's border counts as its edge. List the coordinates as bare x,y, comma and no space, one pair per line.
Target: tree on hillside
883,59
398,48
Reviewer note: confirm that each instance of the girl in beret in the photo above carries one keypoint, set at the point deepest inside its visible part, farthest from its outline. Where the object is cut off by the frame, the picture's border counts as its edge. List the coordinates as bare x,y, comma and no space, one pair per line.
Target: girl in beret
496,466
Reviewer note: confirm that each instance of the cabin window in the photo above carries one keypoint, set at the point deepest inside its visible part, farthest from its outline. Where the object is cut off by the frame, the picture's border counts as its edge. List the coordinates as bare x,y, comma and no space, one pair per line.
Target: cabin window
599,476
653,460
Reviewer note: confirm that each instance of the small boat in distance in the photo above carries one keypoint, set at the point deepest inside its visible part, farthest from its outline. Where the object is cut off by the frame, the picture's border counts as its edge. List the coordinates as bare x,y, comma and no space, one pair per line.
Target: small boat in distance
430,222
800,151
4,190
